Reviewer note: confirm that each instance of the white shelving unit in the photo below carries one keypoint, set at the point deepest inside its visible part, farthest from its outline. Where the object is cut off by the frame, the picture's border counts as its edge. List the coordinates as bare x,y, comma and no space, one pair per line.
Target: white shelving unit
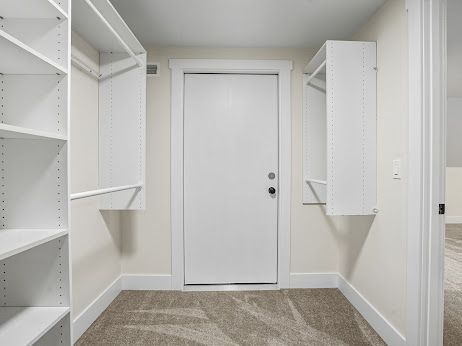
339,128
34,233
15,241
34,9
122,104
18,58
26,325
10,131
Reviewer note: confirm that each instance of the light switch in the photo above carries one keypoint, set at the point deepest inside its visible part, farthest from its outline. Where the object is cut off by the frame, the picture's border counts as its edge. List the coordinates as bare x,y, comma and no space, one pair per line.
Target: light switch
397,169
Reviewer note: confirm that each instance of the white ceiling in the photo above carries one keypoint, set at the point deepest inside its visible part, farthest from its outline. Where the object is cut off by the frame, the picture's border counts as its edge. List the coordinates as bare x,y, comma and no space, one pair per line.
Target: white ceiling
244,23
454,48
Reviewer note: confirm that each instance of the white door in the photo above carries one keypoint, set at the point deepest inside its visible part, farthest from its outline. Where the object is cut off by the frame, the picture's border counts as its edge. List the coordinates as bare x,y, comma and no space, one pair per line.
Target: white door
230,166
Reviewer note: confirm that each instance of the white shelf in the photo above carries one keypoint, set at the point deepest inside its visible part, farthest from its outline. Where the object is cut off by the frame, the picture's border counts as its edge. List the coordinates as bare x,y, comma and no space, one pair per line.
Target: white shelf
316,61
31,9
16,132
88,25
18,58
15,241
26,325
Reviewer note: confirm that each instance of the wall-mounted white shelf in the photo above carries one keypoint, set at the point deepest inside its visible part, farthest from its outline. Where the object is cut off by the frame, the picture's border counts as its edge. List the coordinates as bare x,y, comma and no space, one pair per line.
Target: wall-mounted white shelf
122,106
26,325
17,132
98,22
31,9
18,58
15,241
339,128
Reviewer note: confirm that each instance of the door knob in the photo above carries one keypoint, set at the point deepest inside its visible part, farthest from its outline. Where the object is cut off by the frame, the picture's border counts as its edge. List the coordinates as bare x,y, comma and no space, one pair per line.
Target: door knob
272,190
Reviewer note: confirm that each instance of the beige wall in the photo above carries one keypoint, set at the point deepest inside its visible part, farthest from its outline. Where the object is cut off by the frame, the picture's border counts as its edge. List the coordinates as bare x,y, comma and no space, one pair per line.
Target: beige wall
146,234
454,161
373,250
95,235
453,193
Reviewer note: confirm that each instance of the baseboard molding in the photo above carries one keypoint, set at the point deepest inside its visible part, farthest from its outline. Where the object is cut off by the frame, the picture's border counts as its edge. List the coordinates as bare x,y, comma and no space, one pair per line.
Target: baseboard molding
146,282
313,280
297,280
387,332
83,321
453,219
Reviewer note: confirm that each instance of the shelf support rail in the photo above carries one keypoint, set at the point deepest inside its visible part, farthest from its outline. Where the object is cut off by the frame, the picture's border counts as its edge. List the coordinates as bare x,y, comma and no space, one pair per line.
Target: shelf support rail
316,72
91,193
85,68
116,35
316,181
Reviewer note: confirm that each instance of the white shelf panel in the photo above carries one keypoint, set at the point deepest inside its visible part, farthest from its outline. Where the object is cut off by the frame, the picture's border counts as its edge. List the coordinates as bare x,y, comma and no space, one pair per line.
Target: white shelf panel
18,58
31,9
15,241
316,61
88,25
26,325
16,132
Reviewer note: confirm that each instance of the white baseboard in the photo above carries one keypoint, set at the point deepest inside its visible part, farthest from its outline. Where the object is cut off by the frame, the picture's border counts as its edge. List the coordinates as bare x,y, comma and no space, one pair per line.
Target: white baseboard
82,322
146,282
297,280
387,332
453,219
313,280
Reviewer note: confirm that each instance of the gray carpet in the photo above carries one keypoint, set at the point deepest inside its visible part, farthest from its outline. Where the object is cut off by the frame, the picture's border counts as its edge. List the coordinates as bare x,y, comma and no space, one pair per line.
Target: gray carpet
453,286
288,317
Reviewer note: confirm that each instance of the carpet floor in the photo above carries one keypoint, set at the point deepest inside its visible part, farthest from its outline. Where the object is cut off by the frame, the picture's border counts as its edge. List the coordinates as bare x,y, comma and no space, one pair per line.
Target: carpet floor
286,317
453,286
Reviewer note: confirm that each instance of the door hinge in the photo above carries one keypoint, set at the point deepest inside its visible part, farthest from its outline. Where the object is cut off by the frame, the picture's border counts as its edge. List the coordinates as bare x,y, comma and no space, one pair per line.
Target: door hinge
442,209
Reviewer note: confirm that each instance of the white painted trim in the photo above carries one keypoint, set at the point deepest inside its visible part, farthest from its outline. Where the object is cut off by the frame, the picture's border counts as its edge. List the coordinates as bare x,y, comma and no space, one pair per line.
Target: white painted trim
146,282
381,325
281,67
227,288
313,280
425,249
453,219
82,322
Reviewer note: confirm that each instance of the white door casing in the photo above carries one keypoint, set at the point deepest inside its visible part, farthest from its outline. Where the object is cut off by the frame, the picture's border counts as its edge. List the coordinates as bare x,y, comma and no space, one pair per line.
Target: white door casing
179,68
230,149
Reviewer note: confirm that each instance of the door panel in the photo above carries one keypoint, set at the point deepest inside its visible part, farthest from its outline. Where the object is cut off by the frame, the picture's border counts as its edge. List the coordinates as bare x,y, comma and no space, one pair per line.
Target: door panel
230,147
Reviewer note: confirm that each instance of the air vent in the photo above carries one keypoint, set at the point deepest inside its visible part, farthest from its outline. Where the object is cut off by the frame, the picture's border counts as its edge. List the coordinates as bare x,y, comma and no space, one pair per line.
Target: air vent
152,69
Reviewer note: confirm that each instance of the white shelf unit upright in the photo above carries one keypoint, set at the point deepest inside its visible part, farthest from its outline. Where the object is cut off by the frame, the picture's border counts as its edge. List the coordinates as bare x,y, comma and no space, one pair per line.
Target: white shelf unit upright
34,199
122,104
339,128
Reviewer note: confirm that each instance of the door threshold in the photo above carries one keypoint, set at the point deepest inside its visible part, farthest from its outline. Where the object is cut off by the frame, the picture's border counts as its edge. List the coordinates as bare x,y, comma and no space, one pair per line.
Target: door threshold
231,287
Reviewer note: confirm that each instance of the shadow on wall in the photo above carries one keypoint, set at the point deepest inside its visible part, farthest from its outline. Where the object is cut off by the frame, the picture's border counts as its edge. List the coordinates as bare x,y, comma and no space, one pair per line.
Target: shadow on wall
130,222
112,219
351,233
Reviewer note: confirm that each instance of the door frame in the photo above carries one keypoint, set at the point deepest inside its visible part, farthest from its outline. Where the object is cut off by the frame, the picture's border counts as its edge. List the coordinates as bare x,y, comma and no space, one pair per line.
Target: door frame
427,21
283,69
